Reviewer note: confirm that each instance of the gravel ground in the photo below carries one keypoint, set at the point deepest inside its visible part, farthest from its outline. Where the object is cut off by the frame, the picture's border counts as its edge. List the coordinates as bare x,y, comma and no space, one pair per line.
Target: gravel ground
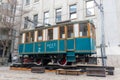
6,74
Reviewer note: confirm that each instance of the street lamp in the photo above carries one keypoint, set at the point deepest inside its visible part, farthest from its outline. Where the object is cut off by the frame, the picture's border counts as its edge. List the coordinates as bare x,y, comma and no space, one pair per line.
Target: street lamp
103,54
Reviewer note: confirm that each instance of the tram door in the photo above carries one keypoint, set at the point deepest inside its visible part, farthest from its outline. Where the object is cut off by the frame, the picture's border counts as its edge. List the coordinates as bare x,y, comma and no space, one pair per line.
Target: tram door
70,37
70,42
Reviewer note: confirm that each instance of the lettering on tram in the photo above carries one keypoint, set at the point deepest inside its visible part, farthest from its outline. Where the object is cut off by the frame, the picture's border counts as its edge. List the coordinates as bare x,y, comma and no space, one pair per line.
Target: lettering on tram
51,45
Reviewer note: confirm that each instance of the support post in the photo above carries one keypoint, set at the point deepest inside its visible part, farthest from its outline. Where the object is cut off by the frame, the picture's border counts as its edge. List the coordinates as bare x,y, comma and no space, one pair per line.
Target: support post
103,54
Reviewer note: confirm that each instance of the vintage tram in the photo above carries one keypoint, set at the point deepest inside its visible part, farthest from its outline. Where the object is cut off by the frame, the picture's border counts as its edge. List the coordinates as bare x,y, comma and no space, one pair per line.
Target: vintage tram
64,43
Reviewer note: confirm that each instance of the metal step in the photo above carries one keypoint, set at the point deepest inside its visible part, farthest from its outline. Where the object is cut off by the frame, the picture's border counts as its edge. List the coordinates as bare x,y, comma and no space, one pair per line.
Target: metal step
71,57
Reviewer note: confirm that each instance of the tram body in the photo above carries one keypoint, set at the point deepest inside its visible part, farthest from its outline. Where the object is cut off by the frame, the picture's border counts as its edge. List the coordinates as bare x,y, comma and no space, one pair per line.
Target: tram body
64,43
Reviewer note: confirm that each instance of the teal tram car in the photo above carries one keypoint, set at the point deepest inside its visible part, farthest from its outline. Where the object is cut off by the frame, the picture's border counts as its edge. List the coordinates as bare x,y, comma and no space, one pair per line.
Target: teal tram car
65,43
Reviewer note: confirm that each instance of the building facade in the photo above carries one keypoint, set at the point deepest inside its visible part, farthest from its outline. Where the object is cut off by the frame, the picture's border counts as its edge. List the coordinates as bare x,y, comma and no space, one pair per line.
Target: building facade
51,12
7,16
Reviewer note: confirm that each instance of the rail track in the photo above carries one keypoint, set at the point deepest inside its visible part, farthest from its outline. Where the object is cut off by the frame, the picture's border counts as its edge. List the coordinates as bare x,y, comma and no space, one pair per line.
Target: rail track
54,67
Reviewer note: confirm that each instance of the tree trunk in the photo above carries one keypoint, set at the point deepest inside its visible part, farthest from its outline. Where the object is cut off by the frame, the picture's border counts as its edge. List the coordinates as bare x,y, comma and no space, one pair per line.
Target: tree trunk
3,55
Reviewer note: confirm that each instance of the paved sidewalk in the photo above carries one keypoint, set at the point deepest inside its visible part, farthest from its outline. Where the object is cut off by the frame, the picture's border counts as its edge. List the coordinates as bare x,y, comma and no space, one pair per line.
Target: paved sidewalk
6,74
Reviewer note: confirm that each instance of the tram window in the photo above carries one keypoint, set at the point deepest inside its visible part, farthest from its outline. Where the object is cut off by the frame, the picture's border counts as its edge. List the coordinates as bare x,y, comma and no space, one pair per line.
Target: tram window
27,37
21,38
40,35
70,31
93,32
62,32
50,34
83,31
32,36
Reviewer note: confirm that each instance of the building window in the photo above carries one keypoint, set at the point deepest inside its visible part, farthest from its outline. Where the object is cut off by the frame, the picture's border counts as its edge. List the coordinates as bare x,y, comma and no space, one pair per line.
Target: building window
46,17
25,22
83,30
36,0
35,19
73,11
90,8
27,2
58,15
50,34
70,33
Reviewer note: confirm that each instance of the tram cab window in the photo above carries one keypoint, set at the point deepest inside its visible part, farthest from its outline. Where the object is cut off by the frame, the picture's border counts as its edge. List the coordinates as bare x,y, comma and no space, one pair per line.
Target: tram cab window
70,33
62,32
93,32
50,34
40,35
32,36
83,30
27,37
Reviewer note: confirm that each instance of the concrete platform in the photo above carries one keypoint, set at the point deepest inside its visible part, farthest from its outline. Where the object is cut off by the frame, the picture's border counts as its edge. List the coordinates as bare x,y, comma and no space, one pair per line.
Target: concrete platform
7,74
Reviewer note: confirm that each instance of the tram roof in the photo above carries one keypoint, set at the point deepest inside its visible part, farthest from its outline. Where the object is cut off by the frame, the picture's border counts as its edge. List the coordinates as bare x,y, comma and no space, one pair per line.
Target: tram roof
59,24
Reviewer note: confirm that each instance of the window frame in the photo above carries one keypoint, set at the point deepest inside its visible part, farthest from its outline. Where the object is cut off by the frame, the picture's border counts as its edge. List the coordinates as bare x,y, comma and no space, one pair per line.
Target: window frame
88,30
89,8
21,38
27,3
60,32
35,24
41,35
35,1
45,17
32,36
29,37
26,22
92,30
67,31
26,37
57,13
74,12
48,34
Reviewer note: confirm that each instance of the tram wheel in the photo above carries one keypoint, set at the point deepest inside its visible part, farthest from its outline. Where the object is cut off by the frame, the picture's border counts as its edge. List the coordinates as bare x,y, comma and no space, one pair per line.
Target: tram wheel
38,62
62,62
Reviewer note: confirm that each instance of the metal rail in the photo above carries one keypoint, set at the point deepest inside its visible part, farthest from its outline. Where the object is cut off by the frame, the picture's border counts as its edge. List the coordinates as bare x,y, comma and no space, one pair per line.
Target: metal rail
53,67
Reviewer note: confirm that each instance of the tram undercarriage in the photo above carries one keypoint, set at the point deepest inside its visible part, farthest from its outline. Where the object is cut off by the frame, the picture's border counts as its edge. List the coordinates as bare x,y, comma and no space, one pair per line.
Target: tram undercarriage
57,59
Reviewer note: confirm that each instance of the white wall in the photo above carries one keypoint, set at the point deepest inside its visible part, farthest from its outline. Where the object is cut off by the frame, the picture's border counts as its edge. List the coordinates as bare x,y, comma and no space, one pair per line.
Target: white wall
111,25
118,15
